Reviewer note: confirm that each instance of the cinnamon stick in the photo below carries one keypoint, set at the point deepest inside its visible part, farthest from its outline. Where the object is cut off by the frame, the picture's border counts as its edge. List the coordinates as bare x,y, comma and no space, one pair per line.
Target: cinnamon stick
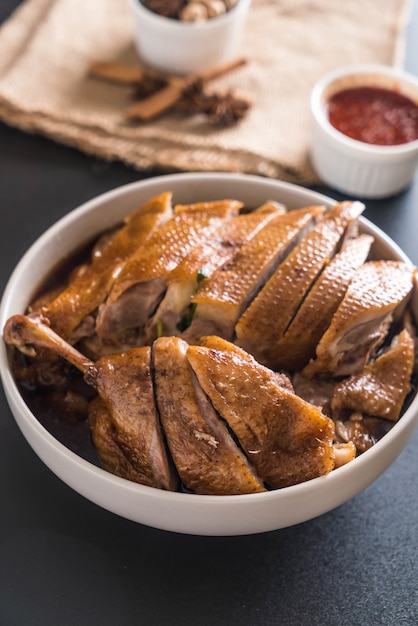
116,72
167,98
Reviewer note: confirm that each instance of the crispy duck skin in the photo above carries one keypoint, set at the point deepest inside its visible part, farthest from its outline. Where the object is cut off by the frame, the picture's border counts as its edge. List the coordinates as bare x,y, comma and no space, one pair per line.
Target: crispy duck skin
360,324
215,207
380,389
104,438
206,457
141,283
223,297
91,286
202,260
268,317
165,249
125,387
287,440
297,346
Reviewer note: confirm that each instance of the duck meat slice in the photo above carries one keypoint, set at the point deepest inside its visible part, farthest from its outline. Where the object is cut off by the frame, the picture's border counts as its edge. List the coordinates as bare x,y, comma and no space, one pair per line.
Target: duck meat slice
226,207
141,284
268,317
380,389
124,385
103,437
297,346
287,440
378,290
206,457
91,286
105,440
175,312
222,298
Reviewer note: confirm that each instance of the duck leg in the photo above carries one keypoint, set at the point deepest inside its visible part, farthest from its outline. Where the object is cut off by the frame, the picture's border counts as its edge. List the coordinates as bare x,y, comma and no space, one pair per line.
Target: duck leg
25,332
124,385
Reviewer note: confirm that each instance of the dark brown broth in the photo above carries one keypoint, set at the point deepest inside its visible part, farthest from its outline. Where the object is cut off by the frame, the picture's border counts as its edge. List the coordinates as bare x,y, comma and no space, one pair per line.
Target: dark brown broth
66,421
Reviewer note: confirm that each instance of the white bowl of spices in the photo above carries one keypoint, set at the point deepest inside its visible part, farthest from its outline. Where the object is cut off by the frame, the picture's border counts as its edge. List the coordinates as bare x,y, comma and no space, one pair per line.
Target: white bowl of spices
365,130
187,36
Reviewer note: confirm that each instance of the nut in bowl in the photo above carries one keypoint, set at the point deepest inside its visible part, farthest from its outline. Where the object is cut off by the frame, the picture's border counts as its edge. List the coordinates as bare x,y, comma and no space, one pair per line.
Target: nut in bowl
173,45
373,152
316,457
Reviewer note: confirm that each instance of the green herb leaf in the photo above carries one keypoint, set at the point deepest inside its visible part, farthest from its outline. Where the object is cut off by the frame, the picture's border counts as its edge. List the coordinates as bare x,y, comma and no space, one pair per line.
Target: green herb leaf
186,319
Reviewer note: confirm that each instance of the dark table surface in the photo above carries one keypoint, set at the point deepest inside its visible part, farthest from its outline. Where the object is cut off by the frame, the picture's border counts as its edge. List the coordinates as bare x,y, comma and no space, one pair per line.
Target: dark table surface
64,561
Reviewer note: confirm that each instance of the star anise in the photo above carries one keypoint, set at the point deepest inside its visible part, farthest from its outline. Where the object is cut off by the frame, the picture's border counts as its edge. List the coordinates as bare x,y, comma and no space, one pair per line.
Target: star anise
226,109
166,8
222,109
148,85
193,99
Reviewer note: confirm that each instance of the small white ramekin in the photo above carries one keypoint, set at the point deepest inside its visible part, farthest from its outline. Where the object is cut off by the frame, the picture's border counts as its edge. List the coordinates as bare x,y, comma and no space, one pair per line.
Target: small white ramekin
176,47
351,166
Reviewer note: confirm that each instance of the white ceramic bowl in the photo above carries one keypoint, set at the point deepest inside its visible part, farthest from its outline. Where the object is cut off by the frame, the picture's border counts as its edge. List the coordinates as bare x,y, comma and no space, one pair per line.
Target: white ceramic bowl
354,167
186,513
177,47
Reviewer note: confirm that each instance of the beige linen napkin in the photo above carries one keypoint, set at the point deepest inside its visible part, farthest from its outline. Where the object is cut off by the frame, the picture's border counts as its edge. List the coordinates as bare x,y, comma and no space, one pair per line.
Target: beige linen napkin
47,46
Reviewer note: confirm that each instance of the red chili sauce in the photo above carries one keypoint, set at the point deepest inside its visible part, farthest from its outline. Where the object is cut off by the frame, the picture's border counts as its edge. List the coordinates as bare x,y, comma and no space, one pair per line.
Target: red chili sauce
374,115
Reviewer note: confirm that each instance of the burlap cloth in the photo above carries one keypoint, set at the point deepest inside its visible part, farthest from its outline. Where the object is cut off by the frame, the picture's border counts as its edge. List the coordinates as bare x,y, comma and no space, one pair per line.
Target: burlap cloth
47,45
